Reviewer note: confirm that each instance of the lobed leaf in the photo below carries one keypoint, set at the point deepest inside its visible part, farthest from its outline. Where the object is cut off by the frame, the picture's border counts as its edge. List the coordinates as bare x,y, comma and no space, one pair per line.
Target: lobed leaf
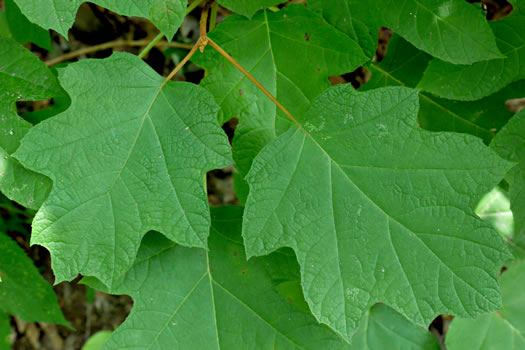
378,210
23,291
59,15
191,298
404,65
499,330
128,156
451,30
472,82
24,77
292,53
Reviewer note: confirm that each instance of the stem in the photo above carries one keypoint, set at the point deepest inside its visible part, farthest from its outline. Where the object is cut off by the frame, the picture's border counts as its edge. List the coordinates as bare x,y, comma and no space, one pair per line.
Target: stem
204,20
249,76
159,36
110,45
213,16
150,45
193,5
197,45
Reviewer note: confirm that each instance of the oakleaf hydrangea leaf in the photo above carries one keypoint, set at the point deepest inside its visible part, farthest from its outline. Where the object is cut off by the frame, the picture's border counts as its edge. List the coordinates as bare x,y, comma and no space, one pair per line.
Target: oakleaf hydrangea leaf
404,65
378,209
128,156
384,328
510,144
23,77
472,82
451,30
500,330
276,40
248,7
23,291
187,298
59,15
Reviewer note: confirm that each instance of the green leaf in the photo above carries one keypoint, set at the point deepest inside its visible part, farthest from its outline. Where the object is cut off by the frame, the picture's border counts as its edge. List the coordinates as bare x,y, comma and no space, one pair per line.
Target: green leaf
23,291
509,143
59,15
189,298
24,31
24,78
248,7
277,41
383,328
501,330
339,13
359,187
5,331
128,156
494,208
97,340
451,30
4,27
404,66
472,82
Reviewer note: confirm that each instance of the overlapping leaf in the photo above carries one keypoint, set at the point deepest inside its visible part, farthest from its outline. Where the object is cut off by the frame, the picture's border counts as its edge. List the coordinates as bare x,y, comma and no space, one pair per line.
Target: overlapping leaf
291,53
127,157
24,77
383,328
500,330
472,82
510,144
378,209
188,298
451,30
404,65
59,15
24,31
248,7
23,291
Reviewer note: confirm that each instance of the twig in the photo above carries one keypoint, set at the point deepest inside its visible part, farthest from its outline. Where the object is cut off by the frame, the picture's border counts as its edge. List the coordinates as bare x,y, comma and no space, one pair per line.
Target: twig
159,36
197,45
147,49
110,45
249,76
213,15
203,25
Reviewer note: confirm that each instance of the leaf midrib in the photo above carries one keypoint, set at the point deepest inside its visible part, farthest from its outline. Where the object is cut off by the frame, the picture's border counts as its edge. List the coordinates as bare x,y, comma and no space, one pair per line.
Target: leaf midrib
332,161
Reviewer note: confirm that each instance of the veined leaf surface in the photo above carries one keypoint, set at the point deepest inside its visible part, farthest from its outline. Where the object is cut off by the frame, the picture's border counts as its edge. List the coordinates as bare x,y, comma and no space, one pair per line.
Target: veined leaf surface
59,15
187,298
451,30
500,330
378,209
276,40
127,157
472,82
